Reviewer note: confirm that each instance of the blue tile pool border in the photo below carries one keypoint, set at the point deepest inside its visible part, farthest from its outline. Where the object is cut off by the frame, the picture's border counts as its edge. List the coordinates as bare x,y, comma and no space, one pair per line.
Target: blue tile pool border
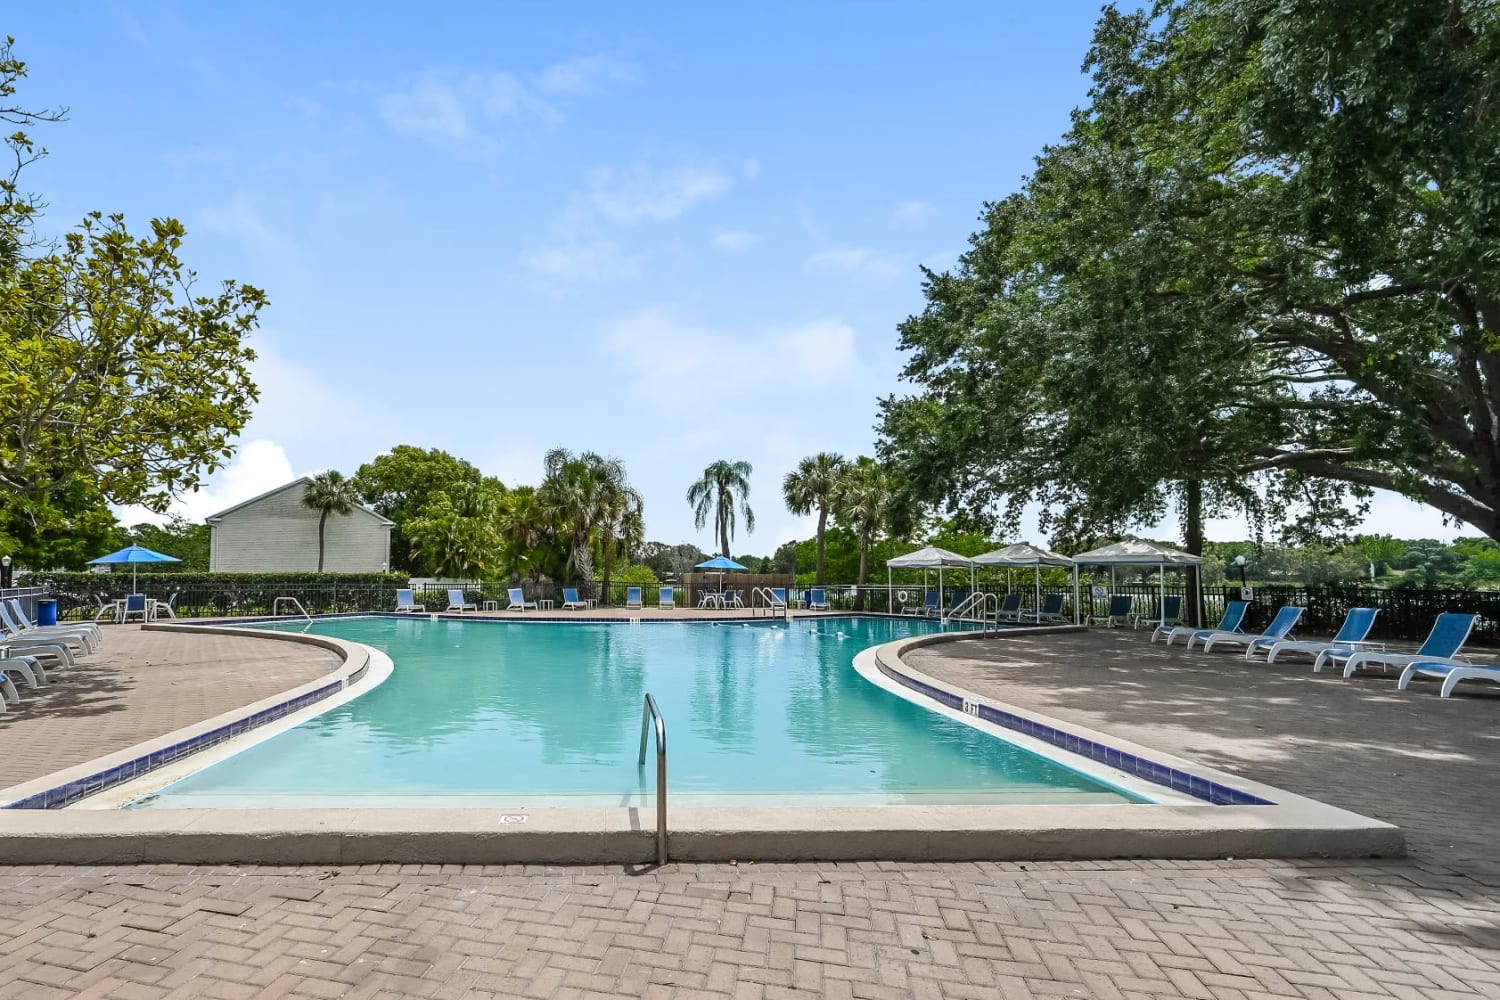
1141,767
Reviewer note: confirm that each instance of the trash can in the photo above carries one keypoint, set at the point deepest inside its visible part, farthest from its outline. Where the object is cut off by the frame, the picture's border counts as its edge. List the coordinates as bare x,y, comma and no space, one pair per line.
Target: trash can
46,611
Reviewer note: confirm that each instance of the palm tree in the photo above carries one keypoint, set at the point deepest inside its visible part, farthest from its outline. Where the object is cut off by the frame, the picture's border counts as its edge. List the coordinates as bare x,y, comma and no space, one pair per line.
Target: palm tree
716,491
622,524
861,499
589,495
810,486
329,493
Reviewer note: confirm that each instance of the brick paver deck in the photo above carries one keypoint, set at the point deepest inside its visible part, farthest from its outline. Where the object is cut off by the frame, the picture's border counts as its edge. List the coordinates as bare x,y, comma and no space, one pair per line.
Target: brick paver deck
140,685
1229,930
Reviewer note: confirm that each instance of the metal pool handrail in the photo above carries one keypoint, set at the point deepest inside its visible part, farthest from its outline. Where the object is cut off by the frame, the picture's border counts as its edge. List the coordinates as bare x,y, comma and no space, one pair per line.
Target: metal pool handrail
649,715
276,607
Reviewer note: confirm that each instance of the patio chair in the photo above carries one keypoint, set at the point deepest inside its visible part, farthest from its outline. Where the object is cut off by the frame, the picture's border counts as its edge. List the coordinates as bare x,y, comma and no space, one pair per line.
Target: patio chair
1234,615
457,603
734,598
1451,673
518,601
1010,608
817,599
28,668
633,597
1350,637
1281,626
666,597
405,601
136,604
165,608
708,599
778,598
1119,611
1169,612
959,596
1051,609
18,625
571,600
1448,635
44,648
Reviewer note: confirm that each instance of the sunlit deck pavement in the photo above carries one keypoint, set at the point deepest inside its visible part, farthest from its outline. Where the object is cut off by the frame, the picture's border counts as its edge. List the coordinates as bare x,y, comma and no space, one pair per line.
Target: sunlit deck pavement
1232,930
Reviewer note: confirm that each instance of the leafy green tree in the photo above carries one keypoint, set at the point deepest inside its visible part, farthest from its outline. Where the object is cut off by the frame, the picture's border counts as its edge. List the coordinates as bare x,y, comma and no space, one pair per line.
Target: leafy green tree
670,560
187,541
113,366
529,537
622,525
811,487
329,493
861,499
458,534
1259,262
1380,550
69,526
399,483
583,492
724,486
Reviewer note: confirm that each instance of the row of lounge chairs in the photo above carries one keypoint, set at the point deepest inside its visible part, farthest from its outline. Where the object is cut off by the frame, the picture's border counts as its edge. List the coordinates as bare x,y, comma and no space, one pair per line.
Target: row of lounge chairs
406,600
25,647
1438,657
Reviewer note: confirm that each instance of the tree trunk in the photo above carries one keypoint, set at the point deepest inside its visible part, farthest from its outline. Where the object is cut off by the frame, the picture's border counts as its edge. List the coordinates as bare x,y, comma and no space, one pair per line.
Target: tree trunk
604,548
321,522
822,526
864,562
583,563
723,533
1192,536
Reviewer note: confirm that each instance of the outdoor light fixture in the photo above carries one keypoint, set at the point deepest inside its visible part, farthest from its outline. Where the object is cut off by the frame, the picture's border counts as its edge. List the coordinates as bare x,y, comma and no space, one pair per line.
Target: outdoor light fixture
5,571
1244,587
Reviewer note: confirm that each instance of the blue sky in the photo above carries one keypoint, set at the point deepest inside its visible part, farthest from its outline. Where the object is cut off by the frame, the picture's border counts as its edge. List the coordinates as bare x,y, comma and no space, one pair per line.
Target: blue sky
671,235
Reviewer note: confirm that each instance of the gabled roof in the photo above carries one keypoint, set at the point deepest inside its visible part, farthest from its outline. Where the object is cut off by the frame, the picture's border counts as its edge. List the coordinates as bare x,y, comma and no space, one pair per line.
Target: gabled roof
299,481
930,557
1134,552
1022,554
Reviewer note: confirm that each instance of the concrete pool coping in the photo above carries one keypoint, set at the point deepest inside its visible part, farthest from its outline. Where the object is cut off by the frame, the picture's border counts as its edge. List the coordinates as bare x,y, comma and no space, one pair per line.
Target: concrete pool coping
1292,826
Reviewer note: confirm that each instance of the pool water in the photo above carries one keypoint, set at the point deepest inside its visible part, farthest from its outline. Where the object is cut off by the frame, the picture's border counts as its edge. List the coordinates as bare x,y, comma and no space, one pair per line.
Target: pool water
484,713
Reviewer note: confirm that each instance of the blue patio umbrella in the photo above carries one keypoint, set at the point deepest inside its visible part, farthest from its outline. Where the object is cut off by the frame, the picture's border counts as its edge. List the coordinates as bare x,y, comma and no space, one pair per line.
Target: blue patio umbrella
135,555
721,564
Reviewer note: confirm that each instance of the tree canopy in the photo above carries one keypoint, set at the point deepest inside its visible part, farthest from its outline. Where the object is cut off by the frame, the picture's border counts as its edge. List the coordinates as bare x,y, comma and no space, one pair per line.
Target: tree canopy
1260,269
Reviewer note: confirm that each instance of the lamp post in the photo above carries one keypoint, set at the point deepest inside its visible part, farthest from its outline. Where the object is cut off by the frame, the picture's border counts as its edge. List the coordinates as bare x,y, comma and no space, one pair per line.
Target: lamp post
5,572
1244,587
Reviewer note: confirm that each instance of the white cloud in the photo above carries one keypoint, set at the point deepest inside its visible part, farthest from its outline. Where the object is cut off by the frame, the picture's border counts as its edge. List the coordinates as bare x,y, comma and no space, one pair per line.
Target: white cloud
915,213
584,75
858,262
257,467
454,114
586,259
666,357
642,192
733,240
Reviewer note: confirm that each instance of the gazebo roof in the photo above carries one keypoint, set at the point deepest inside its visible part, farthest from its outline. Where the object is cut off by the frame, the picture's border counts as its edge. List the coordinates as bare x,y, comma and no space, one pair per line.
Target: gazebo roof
931,557
1022,554
1135,552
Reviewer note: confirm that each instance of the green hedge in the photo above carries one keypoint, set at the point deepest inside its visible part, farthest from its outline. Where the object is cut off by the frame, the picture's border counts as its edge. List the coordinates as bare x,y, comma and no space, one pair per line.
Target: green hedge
224,594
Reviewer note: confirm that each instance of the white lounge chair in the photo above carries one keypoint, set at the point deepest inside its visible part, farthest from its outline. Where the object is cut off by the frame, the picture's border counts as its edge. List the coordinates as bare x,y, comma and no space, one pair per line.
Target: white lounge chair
1450,673
633,597
666,597
1281,626
1119,612
1050,611
29,668
1010,608
84,637
406,602
1349,640
1170,613
1448,635
1234,614
49,649
457,603
571,600
817,599
518,601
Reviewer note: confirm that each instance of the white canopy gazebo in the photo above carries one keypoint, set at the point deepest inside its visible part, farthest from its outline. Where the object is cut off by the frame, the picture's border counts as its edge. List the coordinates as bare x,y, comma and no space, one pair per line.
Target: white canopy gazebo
1134,552
1024,554
930,557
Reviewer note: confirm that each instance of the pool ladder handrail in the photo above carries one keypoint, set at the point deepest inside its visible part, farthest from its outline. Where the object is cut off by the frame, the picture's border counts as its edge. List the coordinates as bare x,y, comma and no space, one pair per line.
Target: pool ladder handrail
276,605
649,715
770,599
979,602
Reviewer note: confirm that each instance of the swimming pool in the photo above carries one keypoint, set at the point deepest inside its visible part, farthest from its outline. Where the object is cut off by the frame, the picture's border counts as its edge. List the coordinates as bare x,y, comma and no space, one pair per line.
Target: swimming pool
503,713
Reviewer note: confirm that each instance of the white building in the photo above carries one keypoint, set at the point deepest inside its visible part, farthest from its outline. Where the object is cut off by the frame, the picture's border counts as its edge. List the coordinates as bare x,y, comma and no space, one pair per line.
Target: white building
276,533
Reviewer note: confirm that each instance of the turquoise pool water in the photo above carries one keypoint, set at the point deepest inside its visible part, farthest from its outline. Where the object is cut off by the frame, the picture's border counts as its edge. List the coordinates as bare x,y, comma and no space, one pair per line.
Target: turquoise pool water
503,713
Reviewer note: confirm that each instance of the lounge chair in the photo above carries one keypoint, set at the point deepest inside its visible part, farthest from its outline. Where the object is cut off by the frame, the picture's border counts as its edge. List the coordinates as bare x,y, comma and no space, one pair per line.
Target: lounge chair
1281,626
518,601
1234,616
1169,612
11,634
28,668
778,598
406,602
571,600
1051,609
633,597
666,597
51,649
817,599
1010,608
1448,635
136,604
15,622
1119,611
959,596
457,603
1350,638
1451,673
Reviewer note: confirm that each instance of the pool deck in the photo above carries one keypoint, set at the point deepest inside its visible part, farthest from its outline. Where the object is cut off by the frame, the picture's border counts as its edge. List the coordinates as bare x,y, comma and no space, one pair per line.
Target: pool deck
1423,927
